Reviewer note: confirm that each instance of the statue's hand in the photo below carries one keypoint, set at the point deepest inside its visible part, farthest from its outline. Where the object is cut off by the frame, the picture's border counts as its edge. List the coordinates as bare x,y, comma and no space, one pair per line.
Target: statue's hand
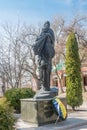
48,34
43,64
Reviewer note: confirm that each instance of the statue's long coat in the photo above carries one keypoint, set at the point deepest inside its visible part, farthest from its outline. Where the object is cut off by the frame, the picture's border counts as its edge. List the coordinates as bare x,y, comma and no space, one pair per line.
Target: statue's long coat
42,47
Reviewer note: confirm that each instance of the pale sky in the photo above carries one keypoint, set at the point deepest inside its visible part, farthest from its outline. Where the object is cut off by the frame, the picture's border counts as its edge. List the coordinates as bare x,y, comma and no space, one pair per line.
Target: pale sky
35,11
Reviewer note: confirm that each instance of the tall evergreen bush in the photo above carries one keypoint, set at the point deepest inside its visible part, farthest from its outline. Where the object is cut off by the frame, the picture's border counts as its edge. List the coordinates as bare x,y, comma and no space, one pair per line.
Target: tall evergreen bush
73,73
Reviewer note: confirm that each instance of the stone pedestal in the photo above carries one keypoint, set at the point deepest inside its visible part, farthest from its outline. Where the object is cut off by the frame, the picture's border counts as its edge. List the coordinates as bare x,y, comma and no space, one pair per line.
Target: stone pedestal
38,111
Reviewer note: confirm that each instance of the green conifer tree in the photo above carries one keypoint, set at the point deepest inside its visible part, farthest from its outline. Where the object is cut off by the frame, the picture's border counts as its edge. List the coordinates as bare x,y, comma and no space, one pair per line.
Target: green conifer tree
73,73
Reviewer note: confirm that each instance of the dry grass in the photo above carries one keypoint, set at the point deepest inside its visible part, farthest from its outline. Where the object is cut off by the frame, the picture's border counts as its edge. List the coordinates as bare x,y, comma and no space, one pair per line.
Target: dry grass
64,95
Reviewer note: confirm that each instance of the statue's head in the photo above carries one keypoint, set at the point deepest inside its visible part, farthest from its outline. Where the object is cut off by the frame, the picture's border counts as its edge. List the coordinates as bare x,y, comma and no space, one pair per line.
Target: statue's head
47,24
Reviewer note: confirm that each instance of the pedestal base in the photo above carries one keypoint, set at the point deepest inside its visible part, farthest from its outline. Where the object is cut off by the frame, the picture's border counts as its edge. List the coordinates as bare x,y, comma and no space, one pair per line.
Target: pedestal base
38,111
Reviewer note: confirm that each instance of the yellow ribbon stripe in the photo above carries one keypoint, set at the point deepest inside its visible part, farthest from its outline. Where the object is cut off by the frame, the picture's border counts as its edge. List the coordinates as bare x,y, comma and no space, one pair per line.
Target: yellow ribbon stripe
63,109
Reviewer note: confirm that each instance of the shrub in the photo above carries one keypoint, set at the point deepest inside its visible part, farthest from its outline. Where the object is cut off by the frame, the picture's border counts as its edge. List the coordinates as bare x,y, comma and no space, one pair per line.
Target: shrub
73,72
6,115
15,94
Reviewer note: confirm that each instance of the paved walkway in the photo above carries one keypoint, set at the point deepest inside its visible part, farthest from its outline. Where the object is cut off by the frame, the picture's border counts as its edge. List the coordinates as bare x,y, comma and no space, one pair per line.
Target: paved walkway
74,120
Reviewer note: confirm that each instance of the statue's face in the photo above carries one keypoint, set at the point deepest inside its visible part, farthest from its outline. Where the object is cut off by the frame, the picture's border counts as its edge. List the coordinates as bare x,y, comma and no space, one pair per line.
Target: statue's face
46,25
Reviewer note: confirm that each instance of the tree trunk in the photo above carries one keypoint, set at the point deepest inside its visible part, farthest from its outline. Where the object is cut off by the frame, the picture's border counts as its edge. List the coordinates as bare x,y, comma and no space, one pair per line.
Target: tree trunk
61,86
73,108
84,88
35,84
3,89
60,83
3,86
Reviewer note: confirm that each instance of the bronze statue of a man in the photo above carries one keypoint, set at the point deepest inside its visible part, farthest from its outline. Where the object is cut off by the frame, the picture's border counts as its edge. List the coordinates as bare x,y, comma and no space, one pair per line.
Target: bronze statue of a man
44,48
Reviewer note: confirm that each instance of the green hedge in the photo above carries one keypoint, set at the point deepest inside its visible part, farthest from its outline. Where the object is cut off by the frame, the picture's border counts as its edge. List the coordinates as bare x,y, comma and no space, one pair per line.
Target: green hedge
15,94
6,115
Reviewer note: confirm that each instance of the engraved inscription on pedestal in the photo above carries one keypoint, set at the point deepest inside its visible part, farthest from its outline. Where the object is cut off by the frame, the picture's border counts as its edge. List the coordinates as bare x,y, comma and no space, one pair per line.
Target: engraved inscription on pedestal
48,109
